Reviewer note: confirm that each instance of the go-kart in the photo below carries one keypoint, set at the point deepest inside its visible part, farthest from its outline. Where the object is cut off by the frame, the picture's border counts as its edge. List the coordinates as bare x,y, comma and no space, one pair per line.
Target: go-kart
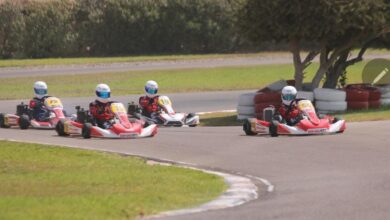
166,116
23,117
120,126
309,123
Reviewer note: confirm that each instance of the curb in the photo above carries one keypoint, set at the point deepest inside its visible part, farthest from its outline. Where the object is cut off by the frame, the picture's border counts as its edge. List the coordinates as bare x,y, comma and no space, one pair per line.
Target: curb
241,190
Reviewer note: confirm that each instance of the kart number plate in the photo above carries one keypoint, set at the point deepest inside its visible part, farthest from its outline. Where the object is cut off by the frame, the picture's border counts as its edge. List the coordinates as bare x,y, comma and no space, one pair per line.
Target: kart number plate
128,135
317,130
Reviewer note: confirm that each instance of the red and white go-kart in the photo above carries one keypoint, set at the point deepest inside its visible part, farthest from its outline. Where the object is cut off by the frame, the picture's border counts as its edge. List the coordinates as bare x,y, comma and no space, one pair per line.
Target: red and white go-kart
309,124
23,118
121,127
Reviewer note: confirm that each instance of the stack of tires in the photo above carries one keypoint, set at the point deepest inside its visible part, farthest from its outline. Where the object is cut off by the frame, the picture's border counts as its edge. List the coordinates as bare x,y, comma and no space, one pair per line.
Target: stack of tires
362,96
305,95
263,100
385,95
246,106
330,100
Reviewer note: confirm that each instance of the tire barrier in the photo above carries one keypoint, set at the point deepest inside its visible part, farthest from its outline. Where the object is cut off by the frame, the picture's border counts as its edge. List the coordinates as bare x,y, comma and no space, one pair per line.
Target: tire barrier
330,100
374,104
358,105
265,99
331,106
329,95
305,95
246,99
385,102
357,94
385,91
246,106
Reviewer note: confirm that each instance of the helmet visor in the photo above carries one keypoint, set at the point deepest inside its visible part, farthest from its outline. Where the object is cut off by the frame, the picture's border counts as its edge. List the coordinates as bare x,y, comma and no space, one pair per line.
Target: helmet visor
103,95
152,91
40,91
288,97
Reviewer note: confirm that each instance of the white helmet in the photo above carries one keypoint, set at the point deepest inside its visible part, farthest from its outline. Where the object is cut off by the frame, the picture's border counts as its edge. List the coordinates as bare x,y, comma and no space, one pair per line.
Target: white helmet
103,93
289,93
151,88
40,89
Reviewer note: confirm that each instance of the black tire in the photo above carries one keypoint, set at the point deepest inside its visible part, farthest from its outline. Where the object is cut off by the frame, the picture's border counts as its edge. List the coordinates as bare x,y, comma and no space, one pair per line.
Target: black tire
86,131
60,128
2,122
273,129
247,127
24,122
193,126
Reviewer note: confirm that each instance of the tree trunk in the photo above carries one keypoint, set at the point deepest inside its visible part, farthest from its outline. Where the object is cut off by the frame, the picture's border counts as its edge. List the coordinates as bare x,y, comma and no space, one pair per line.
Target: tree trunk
336,70
298,67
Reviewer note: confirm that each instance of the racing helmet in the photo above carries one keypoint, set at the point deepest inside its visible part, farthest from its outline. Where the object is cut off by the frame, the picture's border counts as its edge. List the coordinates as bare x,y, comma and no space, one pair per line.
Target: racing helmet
151,88
40,89
289,93
103,93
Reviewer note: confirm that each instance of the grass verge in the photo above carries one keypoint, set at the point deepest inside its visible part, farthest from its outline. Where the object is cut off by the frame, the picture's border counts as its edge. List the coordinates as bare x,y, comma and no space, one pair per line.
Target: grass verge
170,81
103,60
47,182
230,119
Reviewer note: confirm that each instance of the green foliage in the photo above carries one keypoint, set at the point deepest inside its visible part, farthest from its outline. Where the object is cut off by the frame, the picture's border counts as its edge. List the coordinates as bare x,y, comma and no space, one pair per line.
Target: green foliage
115,27
48,28
11,27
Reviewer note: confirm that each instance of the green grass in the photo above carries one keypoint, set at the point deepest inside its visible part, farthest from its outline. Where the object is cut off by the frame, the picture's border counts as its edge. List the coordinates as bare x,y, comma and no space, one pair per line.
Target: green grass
101,60
170,81
230,119
47,182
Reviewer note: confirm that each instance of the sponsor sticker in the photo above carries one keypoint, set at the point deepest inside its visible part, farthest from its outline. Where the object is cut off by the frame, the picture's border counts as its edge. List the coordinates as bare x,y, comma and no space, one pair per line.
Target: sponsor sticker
128,135
317,130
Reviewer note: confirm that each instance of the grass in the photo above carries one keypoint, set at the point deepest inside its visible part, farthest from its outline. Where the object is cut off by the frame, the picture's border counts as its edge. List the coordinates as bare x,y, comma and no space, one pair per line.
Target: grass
102,60
230,119
170,81
47,182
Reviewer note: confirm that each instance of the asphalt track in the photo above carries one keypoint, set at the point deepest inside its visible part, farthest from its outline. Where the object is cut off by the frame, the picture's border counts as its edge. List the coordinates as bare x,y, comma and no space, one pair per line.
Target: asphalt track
344,176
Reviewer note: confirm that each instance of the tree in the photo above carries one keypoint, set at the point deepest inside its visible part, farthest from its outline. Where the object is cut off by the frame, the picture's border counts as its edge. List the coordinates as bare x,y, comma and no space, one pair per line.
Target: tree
11,25
328,28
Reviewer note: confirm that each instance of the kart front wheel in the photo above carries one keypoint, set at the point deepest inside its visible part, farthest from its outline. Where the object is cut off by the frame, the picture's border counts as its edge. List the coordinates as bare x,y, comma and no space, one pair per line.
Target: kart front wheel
60,128
2,121
247,127
273,130
24,122
86,131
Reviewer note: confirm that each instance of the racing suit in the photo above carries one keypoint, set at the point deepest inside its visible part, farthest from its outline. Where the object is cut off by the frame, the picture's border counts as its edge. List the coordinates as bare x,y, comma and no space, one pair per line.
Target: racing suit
101,113
149,105
38,109
290,114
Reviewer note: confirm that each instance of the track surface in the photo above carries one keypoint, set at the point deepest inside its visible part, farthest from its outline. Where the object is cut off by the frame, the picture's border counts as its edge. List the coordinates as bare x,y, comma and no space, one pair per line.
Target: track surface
344,176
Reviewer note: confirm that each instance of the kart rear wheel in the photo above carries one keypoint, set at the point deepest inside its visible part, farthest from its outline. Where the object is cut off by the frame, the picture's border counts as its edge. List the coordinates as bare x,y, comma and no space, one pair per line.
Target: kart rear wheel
60,128
273,129
24,122
247,127
86,131
2,122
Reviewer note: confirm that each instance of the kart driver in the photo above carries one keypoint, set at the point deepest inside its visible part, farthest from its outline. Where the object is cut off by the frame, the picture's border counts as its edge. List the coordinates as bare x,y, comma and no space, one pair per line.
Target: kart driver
289,111
38,109
149,102
100,109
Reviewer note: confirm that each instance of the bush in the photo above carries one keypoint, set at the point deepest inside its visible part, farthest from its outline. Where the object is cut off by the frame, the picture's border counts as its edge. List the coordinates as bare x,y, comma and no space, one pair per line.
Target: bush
33,28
